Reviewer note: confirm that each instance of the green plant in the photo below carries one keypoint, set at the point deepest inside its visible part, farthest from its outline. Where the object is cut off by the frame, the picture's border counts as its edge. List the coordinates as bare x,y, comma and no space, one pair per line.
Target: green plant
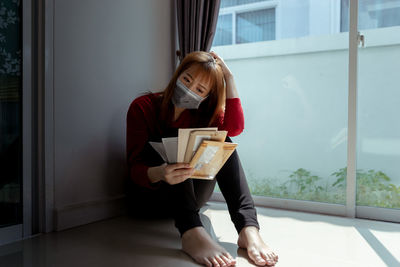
373,188
304,181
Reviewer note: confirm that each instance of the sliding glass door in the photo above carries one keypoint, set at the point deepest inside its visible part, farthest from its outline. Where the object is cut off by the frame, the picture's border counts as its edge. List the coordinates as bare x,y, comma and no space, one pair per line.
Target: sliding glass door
290,63
322,131
378,140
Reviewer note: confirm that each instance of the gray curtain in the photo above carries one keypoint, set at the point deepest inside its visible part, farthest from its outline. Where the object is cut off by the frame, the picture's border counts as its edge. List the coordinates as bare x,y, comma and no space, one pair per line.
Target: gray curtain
197,20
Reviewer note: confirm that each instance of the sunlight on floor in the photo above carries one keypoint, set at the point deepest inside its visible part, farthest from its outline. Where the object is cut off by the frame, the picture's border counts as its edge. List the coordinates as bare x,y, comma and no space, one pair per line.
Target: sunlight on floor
299,238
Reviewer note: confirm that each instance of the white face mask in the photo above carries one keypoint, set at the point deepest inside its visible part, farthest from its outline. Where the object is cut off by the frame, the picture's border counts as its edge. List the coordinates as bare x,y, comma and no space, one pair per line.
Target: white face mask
185,98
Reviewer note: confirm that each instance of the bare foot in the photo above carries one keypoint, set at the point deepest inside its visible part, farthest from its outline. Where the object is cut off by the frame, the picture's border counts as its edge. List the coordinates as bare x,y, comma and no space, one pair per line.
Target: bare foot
258,251
199,245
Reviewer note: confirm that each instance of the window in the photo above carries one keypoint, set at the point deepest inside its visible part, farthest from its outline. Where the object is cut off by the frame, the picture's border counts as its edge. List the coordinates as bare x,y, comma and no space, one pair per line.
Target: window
245,21
255,26
229,3
223,34
372,14
294,92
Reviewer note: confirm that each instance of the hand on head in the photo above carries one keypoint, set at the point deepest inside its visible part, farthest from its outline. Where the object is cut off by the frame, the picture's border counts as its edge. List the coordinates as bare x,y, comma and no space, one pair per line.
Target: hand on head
227,72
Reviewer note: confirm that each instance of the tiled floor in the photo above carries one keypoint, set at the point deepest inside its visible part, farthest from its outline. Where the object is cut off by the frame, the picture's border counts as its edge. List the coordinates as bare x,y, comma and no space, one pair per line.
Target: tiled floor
300,239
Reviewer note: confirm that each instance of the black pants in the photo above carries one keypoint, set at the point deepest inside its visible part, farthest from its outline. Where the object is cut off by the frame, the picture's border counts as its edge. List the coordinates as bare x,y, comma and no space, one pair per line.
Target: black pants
184,200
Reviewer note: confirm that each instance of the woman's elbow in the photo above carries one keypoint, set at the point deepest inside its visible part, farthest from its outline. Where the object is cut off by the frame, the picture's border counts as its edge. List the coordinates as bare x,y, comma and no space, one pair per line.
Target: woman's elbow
235,132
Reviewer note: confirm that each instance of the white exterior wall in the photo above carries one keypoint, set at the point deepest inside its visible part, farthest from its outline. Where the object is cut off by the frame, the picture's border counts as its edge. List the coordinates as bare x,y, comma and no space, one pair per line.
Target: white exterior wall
292,19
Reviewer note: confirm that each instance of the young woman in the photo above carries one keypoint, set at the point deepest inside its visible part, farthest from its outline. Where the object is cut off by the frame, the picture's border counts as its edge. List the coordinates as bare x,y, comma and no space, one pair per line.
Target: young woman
201,93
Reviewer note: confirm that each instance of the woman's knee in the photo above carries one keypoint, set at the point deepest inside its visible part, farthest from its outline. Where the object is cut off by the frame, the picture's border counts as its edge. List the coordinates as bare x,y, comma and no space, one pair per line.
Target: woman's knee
203,190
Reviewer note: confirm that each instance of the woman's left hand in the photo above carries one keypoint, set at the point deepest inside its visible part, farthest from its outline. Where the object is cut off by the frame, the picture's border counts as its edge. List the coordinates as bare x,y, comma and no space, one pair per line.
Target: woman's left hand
231,91
227,72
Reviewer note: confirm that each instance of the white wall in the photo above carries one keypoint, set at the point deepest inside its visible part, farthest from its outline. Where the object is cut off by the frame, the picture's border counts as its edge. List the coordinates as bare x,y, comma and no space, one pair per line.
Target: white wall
298,24
105,54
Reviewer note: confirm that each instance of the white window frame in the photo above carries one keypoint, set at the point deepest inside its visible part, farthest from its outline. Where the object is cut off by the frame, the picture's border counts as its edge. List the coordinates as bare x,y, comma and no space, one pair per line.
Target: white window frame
234,10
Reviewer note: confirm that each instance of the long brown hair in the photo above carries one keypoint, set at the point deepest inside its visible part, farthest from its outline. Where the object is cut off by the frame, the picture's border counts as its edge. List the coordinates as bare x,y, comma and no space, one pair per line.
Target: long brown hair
213,105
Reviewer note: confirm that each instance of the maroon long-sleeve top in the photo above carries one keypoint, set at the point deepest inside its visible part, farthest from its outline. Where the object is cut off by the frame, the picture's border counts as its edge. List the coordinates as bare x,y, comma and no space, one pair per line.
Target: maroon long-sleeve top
142,127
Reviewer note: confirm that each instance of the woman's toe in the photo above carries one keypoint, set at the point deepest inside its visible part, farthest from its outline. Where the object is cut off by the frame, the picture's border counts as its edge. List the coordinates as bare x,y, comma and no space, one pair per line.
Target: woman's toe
255,256
228,258
214,262
221,261
207,262
275,256
269,260
259,260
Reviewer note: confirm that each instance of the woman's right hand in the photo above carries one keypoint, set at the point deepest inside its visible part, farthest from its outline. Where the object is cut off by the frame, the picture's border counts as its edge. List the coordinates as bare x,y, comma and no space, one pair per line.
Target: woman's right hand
170,173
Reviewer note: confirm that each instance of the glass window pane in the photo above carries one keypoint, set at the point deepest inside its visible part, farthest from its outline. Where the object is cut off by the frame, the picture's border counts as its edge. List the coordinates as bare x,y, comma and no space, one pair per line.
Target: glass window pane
374,14
255,26
10,114
223,34
294,145
228,3
378,147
